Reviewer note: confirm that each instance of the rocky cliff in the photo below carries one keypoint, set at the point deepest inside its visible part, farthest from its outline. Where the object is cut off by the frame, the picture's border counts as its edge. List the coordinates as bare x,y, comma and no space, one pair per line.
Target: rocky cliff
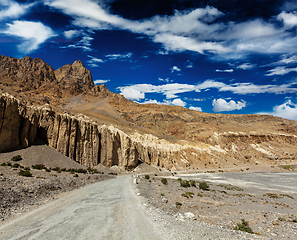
85,141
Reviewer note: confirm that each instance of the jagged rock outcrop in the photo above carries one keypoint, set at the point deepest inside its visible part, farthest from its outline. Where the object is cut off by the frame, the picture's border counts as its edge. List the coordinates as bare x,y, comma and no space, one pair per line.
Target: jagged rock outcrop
26,71
76,77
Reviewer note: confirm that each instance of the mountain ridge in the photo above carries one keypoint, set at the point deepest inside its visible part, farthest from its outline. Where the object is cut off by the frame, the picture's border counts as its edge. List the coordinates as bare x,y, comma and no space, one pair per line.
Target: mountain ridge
169,137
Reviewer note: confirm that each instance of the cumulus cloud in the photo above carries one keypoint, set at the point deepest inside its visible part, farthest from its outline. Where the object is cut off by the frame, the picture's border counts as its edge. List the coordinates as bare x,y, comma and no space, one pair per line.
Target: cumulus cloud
221,105
179,102
100,81
199,109
289,19
33,33
286,110
13,9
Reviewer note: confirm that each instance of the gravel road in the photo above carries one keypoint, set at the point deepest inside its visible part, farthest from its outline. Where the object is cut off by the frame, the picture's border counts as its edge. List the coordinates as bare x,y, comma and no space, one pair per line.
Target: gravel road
109,210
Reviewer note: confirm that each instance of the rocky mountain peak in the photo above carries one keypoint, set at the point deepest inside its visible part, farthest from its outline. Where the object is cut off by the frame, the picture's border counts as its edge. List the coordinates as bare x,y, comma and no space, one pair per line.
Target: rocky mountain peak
76,77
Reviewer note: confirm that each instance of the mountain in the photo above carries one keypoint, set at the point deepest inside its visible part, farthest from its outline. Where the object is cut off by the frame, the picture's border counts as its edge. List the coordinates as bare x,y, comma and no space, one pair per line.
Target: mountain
92,125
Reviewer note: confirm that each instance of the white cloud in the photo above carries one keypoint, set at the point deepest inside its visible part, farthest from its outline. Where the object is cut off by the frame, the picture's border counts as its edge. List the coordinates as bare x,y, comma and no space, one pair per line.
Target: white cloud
286,110
280,71
226,70
221,105
175,68
179,102
196,30
119,56
199,109
132,93
288,59
289,19
84,43
72,33
93,62
245,66
173,89
189,64
33,33
100,81
12,9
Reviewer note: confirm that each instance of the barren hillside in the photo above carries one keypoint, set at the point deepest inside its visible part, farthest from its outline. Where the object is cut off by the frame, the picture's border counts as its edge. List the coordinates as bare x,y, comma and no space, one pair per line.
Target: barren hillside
92,125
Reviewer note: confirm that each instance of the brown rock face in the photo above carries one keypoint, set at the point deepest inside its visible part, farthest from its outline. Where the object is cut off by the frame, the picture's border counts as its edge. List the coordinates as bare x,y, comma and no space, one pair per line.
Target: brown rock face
75,77
31,72
77,137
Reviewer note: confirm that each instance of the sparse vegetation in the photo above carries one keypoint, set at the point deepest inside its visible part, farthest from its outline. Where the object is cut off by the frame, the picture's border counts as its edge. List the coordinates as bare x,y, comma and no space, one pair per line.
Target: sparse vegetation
244,226
184,183
16,158
192,183
164,181
272,195
230,187
39,166
188,194
204,186
16,165
25,173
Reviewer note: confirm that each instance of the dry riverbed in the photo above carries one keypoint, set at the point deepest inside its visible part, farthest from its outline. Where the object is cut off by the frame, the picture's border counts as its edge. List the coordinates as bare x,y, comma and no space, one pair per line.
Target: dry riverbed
272,214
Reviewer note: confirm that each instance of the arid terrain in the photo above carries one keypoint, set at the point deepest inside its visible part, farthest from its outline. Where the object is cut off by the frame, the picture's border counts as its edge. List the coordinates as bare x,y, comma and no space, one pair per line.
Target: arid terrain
77,133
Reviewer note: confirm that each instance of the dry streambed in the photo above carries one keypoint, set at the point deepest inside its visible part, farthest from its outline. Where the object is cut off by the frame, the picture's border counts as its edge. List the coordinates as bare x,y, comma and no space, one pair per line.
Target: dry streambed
270,214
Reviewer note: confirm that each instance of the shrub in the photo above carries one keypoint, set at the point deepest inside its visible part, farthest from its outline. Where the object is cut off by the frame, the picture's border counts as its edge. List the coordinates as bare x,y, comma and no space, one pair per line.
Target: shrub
243,226
25,173
192,183
204,186
75,175
47,170
178,204
147,177
80,170
63,169
188,194
16,158
3,164
16,165
56,169
286,167
39,166
27,168
92,170
184,183
8,164
164,181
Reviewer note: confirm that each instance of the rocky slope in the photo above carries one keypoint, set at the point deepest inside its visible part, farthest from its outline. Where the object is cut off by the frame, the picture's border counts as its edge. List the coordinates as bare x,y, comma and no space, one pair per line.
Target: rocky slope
91,125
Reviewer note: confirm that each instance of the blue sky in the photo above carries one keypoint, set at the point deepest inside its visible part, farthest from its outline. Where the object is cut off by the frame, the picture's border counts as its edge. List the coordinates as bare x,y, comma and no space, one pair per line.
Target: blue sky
237,57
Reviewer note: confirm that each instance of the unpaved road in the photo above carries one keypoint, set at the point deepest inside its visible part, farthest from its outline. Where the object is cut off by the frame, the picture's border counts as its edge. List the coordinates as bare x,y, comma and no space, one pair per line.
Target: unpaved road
105,210
109,210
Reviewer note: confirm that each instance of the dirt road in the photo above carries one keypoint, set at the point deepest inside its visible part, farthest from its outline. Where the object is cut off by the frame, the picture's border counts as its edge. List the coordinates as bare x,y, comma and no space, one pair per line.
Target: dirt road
109,210
105,210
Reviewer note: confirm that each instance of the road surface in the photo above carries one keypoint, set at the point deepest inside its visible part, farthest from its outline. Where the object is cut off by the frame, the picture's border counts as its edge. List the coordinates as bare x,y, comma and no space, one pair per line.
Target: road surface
105,210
